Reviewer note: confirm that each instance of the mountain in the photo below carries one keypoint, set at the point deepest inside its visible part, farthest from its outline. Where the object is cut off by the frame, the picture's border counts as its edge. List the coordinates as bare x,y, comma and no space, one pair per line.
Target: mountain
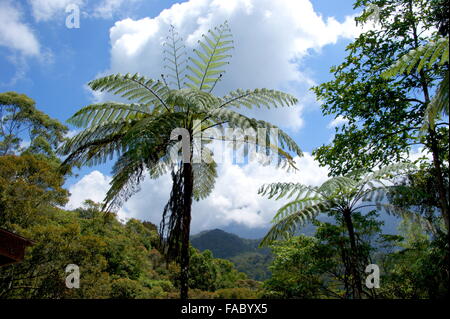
244,253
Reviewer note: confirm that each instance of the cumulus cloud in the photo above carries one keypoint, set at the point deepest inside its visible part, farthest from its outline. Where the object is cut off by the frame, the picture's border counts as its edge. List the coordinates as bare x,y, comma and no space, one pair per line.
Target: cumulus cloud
14,33
271,39
234,199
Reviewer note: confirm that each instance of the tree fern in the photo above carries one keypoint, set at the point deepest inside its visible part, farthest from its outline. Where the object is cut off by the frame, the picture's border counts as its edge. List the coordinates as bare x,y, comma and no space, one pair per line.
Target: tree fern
138,134
334,195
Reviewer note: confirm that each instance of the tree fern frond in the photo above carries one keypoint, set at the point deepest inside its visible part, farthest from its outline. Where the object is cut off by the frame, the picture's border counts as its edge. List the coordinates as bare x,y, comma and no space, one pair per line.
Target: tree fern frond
388,172
133,87
128,174
438,104
337,185
205,174
299,206
257,97
208,64
417,59
176,56
100,113
286,190
95,144
237,120
290,223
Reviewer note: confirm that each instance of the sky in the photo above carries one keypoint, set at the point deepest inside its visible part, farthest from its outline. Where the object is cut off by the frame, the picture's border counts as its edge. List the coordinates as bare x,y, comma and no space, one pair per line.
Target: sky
287,45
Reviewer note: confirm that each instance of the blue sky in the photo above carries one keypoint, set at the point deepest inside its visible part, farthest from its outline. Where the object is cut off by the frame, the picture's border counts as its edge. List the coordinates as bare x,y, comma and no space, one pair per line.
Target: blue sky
286,44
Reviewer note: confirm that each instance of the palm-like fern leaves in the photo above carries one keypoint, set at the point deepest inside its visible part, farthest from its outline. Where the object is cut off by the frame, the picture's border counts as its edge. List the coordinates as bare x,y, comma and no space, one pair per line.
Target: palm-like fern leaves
134,88
206,68
425,57
175,58
334,195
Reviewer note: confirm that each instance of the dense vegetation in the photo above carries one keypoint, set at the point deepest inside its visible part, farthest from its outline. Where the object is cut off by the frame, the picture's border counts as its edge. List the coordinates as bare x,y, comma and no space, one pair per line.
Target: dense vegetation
392,89
244,253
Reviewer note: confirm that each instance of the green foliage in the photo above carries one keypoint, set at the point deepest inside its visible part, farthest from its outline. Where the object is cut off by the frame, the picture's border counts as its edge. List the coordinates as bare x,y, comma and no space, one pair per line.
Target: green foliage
315,266
419,193
384,116
244,253
28,184
236,293
418,270
20,121
115,260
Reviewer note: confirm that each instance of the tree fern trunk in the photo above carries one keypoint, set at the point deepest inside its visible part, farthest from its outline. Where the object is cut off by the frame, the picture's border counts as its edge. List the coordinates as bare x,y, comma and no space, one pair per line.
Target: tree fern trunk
187,193
356,280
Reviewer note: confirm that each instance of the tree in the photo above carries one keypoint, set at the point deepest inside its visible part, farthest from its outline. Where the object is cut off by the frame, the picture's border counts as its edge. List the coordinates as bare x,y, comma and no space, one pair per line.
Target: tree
20,119
141,132
29,184
385,115
339,197
315,266
424,57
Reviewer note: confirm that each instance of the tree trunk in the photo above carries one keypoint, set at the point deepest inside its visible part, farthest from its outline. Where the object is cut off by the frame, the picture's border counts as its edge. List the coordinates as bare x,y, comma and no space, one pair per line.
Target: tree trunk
187,194
433,141
356,280
441,188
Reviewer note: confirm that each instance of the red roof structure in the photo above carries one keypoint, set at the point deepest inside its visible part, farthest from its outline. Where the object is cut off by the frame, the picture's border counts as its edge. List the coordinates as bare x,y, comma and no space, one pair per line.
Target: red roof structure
12,247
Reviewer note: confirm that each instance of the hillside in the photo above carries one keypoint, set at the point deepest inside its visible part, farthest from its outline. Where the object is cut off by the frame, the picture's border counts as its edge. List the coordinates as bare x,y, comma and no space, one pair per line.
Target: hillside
244,253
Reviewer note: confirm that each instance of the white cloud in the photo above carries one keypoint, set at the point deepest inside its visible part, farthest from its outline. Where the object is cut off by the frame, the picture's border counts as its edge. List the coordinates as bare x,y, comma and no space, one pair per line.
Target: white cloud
15,34
234,199
271,38
92,186
338,121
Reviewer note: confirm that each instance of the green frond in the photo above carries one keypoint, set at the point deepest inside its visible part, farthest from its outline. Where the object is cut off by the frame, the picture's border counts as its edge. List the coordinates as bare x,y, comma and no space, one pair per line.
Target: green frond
288,225
286,190
192,99
133,87
236,120
338,185
305,208
95,144
388,172
175,57
96,114
438,104
127,176
147,147
205,174
257,97
207,65
422,57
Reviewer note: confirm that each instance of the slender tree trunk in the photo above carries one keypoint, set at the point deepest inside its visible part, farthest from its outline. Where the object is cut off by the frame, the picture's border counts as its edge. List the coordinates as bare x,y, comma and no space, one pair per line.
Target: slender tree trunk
356,280
187,193
441,188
